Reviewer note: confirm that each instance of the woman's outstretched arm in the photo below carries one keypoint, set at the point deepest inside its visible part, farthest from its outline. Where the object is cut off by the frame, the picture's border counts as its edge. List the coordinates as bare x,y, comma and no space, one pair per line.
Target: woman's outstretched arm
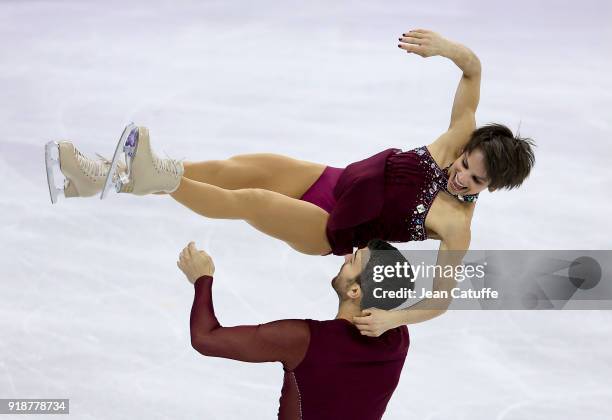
467,95
463,115
373,322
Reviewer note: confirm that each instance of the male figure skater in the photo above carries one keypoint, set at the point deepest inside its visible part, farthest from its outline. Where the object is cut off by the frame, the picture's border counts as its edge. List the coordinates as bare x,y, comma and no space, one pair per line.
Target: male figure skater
332,371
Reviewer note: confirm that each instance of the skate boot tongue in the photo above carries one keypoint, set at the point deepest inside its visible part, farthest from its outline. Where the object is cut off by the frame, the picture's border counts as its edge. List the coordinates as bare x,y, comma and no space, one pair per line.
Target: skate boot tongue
173,166
93,168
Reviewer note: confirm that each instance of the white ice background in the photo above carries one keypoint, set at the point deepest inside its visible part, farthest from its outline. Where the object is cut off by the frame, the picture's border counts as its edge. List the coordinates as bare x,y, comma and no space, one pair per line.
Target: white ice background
92,305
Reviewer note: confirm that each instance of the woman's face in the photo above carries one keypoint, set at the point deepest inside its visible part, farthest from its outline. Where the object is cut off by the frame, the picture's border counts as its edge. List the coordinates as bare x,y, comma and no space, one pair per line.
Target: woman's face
467,174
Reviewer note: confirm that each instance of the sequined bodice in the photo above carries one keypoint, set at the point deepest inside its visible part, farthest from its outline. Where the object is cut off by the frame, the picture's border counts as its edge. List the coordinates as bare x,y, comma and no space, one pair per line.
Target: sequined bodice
412,180
423,151
386,196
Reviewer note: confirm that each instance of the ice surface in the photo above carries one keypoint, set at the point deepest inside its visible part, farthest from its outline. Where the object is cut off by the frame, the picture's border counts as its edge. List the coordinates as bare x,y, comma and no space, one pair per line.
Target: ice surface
93,307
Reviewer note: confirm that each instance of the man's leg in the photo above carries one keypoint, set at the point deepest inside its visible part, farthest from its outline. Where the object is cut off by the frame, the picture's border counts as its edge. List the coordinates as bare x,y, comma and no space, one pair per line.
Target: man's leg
299,223
268,171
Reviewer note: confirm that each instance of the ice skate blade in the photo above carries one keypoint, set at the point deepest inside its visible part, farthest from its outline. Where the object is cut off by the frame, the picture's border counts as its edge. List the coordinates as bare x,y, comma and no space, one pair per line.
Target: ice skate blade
125,142
51,162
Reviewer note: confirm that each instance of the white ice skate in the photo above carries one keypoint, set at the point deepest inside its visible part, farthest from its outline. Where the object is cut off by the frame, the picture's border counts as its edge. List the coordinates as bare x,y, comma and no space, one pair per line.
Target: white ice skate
146,173
80,175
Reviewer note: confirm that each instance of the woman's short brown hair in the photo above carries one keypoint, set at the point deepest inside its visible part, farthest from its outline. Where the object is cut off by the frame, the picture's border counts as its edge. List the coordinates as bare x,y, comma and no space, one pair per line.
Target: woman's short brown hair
508,158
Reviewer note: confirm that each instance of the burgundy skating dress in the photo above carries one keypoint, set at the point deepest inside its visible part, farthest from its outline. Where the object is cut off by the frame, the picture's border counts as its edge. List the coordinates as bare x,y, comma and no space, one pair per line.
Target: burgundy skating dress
385,196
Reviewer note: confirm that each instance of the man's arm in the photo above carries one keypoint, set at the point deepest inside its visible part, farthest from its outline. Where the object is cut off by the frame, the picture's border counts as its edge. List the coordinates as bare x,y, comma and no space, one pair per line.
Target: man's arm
285,341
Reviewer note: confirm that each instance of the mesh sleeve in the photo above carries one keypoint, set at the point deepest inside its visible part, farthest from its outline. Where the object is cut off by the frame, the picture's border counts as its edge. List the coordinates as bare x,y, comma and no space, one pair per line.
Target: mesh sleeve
283,341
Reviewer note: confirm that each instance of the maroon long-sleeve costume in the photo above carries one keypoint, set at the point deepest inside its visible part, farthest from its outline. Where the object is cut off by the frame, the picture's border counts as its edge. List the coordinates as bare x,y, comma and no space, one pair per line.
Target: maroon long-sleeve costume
331,370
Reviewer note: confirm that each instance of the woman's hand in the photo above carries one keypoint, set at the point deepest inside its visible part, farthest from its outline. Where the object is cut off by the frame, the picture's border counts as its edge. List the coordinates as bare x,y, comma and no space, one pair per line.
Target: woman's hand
373,322
425,43
195,263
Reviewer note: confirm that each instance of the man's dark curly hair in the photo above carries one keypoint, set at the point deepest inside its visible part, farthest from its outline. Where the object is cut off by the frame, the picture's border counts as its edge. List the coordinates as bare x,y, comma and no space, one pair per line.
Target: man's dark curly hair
382,254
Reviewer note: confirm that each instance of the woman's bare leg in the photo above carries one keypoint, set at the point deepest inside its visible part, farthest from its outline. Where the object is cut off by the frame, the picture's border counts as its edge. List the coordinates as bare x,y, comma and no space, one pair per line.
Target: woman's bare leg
268,171
299,223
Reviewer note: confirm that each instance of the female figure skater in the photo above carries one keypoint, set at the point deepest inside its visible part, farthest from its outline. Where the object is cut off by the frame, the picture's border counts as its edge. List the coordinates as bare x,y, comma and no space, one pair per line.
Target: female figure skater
428,192
317,209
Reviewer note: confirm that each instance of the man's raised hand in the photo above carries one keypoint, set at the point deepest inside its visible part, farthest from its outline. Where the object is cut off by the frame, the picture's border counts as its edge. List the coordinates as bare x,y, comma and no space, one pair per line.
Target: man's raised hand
195,263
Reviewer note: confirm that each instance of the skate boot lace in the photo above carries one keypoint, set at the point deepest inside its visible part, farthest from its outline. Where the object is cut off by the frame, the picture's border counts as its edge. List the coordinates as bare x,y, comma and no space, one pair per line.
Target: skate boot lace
121,167
91,167
170,165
